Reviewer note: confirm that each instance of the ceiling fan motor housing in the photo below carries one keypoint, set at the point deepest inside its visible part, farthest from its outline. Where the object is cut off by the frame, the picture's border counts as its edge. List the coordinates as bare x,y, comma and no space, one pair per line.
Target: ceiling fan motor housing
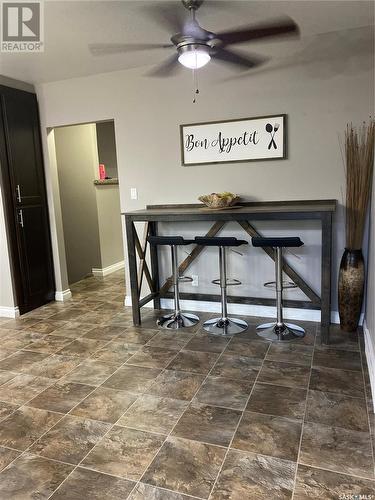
192,4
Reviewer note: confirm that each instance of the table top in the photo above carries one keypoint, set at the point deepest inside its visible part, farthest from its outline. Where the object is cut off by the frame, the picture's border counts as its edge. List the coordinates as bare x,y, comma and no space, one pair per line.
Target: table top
265,207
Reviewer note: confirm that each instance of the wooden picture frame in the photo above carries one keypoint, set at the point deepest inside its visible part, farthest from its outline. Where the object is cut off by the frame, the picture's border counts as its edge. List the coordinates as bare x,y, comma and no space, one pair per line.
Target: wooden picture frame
241,140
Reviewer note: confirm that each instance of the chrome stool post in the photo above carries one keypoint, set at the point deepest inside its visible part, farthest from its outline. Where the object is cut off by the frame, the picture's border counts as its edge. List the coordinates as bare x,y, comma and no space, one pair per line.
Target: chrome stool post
279,331
224,325
177,319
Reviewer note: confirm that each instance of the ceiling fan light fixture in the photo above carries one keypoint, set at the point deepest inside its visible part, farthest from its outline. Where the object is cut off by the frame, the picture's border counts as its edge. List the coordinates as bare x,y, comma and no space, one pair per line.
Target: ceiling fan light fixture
194,56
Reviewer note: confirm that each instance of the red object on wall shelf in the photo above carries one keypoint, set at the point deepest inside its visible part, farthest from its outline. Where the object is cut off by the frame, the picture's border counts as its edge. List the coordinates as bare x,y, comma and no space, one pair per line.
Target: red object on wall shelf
102,174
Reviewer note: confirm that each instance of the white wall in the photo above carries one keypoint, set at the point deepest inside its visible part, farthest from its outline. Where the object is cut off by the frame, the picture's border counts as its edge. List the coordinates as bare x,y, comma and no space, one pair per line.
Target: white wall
319,96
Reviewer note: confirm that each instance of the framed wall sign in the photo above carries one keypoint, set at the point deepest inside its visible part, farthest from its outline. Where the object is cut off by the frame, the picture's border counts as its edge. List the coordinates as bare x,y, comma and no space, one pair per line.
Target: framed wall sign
230,141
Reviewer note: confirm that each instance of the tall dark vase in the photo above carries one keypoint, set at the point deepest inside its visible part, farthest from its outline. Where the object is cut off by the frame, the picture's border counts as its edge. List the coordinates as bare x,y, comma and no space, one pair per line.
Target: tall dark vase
351,286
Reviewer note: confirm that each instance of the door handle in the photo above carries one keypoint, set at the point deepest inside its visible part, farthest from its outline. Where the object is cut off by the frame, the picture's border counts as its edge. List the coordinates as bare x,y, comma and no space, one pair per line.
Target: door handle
20,221
18,190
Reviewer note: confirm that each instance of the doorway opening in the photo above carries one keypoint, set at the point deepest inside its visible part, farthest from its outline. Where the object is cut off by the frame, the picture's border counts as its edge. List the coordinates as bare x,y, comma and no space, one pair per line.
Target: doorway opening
87,174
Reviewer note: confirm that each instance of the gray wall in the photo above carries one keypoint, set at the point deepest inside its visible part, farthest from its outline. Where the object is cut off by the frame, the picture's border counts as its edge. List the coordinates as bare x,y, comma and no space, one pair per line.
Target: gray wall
76,162
321,91
105,134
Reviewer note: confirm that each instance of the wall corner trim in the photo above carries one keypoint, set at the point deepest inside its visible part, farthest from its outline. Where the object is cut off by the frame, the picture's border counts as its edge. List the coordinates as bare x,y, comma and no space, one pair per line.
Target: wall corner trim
101,272
9,312
370,357
62,295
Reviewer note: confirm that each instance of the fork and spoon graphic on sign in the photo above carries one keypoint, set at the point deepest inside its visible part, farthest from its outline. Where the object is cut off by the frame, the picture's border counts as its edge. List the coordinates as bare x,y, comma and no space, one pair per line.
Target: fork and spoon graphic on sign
272,131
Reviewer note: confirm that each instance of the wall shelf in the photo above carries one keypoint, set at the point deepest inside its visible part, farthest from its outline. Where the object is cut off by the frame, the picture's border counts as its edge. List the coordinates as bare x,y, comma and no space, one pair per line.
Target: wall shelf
105,182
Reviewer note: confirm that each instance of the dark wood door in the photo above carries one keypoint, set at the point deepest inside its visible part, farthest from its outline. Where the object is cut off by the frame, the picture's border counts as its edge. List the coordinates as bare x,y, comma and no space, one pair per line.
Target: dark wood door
25,198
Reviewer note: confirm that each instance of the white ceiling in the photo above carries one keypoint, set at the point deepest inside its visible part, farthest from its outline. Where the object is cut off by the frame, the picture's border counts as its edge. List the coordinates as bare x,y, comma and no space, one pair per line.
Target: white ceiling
71,25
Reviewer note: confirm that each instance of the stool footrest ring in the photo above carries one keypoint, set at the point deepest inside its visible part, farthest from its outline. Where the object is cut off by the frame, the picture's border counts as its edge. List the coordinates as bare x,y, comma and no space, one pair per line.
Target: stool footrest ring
185,279
286,284
230,282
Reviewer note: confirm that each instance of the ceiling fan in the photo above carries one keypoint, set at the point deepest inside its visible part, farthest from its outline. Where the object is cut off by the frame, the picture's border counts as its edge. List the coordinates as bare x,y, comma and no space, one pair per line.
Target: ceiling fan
195,46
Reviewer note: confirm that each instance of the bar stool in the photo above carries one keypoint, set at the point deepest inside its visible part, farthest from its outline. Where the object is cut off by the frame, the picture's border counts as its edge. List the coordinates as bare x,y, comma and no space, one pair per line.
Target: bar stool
177,319
279,331
223,325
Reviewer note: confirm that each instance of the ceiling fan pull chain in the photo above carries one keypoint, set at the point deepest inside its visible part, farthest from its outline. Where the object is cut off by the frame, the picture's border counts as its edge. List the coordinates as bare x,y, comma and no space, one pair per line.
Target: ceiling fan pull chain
195,86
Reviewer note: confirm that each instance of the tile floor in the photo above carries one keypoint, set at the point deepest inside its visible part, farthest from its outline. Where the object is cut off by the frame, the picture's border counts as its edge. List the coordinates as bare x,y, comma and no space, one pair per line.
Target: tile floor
93,408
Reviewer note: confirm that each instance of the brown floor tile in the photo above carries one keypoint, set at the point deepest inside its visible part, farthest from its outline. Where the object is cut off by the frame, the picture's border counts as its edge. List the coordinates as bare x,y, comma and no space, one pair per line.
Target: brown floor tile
98,318
70,314
193,361
336,449
291,353
83,348
6,409
25,426
134,379
285,374
6,375
268,435
207,343
278,400
55,366
32,477
108,332
171,339
21,340
91,372
337,358
23,387
116,352
338,339
185,466
20,323
249,348
21,360
153,414
321,484
176,385
337,410
208,424
147,492
104,404
4,353
88,484
152,357
49,344
70,440
72,329
233,366
124,452
46,327
250,476
220,391
6,457
61,397
338,381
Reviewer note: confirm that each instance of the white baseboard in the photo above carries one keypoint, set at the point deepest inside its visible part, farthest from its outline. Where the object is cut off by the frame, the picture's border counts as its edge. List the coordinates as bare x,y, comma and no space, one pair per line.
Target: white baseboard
244,309
101,272
9,312
62,295
370,357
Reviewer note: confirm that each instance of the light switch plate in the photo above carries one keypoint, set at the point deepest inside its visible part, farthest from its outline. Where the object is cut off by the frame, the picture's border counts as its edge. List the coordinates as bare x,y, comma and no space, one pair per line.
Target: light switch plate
133,194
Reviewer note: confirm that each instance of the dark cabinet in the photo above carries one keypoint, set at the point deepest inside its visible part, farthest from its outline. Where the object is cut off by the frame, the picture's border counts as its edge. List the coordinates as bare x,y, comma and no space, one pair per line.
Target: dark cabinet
23,184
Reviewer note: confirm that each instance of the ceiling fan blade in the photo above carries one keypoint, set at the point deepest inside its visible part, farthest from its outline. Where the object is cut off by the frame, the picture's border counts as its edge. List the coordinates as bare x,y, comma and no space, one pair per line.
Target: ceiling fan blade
166,68
101,49
169,15
280,27
242,61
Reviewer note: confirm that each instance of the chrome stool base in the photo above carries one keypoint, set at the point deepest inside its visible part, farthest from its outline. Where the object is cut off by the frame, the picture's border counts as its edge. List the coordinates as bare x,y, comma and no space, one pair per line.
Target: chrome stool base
273,333
225,327
175,321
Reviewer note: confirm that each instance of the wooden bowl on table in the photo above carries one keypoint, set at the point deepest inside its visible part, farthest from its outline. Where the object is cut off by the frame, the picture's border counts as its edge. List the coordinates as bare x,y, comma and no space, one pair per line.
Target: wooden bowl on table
217,201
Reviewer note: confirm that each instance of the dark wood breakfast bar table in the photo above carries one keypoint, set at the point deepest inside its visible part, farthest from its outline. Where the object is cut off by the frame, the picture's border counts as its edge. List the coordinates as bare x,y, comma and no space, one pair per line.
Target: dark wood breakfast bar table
249,212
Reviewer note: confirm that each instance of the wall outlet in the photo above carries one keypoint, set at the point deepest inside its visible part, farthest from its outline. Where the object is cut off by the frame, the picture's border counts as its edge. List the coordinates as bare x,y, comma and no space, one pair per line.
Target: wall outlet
133,194
195,281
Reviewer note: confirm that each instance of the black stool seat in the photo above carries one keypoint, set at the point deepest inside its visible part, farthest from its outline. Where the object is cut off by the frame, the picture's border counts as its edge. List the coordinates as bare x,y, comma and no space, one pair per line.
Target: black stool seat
169,240
277,242
218,241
